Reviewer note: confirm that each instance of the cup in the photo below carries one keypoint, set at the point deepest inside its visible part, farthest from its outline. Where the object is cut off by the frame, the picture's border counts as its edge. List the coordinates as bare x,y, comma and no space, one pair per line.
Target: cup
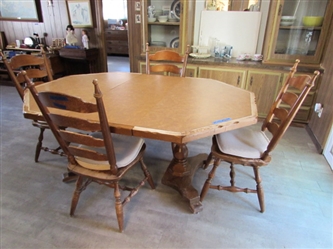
257,57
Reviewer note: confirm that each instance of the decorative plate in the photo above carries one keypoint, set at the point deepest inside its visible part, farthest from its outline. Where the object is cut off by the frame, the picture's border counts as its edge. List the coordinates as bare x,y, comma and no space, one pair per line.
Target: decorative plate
175,7
174,42
201,56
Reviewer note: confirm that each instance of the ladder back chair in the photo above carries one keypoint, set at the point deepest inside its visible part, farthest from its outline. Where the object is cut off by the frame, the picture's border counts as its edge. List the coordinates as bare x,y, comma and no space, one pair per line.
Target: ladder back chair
94,155
252,148
165,61
38,69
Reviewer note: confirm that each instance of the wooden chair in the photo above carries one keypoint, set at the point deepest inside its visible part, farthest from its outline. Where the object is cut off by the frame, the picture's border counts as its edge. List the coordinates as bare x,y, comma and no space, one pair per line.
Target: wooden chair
252,148
165,62
38,69
93,156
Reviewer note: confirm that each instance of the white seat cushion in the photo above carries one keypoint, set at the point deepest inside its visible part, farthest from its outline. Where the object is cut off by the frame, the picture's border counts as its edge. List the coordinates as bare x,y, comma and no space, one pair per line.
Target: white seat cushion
243,143
126,150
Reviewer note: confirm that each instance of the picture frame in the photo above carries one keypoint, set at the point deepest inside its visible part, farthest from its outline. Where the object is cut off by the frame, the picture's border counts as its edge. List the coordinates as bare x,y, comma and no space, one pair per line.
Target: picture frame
137,6
137,18
80,13
21,10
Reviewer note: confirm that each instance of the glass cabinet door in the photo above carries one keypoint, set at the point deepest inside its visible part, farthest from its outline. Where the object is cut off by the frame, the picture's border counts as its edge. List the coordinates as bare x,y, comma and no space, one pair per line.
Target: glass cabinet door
299,30
164,24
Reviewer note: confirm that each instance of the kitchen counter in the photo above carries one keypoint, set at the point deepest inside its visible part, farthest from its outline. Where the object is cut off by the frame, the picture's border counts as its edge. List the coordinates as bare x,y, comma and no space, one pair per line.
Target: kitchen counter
212,61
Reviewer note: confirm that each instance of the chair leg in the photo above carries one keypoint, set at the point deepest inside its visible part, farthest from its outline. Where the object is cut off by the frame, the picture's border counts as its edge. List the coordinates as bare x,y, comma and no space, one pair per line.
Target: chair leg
80,186
209,179
260,190
207,161
147,174
39,144
119,207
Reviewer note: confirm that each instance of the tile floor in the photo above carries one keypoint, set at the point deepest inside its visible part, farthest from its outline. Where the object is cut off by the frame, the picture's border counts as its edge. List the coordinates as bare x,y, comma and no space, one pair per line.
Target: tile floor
35,202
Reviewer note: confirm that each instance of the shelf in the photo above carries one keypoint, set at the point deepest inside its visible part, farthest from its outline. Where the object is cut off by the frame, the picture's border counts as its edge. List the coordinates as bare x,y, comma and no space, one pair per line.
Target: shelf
300,28
164,23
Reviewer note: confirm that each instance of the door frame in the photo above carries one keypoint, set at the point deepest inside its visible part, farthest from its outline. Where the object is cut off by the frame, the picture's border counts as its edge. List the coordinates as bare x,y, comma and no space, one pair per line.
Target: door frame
328,149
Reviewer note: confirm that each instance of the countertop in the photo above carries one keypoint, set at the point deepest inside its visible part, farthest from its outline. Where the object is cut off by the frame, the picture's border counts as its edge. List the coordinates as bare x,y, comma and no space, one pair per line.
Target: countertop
232,62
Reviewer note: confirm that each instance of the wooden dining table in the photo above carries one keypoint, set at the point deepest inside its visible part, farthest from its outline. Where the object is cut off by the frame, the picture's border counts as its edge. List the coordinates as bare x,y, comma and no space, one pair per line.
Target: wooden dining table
173,109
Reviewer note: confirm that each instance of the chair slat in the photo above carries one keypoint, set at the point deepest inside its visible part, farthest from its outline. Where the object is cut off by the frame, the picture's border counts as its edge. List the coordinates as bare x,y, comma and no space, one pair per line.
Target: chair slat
280,113
272,128
289,98
164,58
75,137
87,153
77,123
300,81
66,102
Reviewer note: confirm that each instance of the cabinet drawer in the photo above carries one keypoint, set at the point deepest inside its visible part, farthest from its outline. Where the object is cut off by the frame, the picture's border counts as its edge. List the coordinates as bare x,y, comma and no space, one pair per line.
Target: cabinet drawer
116,35
116,43
117,50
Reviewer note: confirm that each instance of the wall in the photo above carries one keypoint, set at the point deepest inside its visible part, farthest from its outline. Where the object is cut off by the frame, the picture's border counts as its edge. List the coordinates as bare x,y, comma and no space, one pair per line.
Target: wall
320,127
55,20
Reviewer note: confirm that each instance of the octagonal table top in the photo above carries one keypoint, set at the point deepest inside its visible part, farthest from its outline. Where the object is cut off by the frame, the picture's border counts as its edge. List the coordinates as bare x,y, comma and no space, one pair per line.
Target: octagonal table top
166,108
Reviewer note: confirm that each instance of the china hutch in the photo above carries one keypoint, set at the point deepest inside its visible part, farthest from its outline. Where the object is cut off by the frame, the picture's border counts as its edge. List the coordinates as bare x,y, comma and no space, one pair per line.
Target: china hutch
176,32
285,42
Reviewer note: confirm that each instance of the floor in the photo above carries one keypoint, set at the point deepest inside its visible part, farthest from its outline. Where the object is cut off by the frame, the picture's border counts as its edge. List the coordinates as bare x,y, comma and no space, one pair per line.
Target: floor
118,63
35,202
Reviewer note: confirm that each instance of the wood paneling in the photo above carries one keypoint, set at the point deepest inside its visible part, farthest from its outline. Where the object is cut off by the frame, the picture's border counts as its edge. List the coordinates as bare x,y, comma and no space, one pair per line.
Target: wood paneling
320,127
55,20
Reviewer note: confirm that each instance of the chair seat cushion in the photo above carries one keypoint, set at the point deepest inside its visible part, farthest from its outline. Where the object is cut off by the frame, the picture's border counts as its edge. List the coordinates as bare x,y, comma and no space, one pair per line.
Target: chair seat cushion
126,150
243,142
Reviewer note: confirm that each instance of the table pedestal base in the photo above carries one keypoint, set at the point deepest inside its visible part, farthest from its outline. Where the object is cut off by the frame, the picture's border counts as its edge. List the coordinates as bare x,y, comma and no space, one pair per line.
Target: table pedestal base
180,173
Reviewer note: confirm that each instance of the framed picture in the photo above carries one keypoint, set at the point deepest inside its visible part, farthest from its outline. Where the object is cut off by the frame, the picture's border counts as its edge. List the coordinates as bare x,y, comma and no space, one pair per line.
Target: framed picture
80,13
137,6
21,10
137,18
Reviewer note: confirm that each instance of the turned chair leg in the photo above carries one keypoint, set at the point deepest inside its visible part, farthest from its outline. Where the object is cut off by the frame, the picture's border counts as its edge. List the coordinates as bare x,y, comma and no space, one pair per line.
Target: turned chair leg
207,161
260,190
209,179
39,144
80,186
147,174
119,207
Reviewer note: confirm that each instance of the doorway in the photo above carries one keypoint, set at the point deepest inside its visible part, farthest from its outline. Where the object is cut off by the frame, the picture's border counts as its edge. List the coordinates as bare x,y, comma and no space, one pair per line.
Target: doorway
115,19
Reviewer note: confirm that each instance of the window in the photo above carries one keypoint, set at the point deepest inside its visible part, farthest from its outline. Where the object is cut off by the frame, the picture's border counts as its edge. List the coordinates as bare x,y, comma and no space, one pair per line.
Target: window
115,9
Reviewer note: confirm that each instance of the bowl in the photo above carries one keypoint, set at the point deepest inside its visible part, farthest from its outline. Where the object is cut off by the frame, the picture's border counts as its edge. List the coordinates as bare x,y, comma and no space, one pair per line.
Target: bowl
163,18
151,19
312,21
287,20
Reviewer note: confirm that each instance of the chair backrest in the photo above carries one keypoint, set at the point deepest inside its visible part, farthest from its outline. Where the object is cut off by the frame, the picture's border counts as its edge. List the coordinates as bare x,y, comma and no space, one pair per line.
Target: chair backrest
286,105
37,68
77,140
165,62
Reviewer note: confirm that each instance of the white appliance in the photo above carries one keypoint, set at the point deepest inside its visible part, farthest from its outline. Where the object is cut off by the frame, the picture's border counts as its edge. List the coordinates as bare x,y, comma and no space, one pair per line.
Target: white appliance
239,29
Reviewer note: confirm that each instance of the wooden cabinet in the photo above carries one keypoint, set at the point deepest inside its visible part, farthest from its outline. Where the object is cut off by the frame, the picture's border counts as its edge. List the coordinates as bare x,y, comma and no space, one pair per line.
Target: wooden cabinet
265,85
176,33
79,61
232,76
287,41
116,41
